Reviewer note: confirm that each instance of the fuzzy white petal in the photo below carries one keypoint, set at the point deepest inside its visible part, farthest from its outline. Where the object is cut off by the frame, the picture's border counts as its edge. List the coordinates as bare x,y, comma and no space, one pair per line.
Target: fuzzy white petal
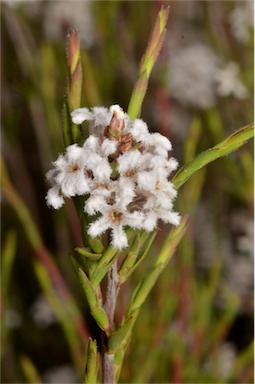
170,217
81,114
140,131
102,116
53,198
150,221
172,164
147,180
135,219
119,238
92,144
126,190
94,204
129,161
99,226
102,170
109,147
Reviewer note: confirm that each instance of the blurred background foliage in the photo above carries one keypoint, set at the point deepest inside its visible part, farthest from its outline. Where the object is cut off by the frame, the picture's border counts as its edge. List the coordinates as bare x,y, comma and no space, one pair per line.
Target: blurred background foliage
197,325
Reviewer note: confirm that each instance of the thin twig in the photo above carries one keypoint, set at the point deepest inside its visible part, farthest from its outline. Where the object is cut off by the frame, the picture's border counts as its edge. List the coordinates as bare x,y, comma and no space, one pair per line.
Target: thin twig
109,307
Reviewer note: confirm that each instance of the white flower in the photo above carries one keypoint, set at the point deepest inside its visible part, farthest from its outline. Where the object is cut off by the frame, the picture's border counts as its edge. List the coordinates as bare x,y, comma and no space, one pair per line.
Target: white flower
68,172
61,374
160,194
114,217
191,76
108,147
99,117
121,169
80,115
160,144
100,193
229,82
131,162
42,312
61,15
54,198
139,131
241,20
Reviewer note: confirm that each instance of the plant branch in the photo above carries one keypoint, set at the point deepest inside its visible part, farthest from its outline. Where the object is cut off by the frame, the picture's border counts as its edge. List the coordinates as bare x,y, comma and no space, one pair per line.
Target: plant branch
109,307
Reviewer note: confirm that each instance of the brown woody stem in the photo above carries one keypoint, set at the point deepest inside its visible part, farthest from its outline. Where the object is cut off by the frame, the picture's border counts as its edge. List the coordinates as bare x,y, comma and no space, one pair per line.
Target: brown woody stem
109,307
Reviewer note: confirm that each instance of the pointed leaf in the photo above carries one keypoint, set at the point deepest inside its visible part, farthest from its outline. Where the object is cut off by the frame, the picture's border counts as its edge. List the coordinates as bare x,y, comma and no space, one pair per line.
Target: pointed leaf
92,363
232,143
117,338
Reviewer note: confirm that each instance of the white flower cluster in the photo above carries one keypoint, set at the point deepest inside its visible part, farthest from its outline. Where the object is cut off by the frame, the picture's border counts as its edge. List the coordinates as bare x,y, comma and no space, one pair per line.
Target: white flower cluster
197,76
191,75
60,15
121,169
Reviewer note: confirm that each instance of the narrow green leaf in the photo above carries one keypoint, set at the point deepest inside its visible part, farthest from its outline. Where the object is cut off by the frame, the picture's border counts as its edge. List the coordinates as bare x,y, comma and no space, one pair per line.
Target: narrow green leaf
137,253
74,85
88,289
147,62
71,132
117,338
108,256
101,273
130,259
143,252
171,242
135,104
144,287
86,253
30,370
92,363
8,254
232,143
94,302
96,245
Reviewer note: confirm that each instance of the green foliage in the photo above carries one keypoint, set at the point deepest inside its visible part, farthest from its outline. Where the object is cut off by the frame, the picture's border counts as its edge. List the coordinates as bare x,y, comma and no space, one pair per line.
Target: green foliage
232,143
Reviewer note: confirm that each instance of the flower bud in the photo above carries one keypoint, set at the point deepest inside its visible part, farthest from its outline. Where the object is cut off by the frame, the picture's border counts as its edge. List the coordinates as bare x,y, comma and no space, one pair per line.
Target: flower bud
116,126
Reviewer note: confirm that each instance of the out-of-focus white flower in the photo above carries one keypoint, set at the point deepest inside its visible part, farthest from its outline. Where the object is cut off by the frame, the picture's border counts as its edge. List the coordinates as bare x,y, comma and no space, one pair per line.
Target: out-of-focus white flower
240,277
226,359
242,20
242,226
123,171
31,8
42,312
192,72
222,363
12,318
61,374
61,15
229,83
